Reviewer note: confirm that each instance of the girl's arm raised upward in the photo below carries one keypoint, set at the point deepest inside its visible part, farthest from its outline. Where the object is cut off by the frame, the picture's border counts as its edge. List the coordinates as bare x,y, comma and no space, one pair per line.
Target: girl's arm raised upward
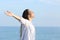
8,13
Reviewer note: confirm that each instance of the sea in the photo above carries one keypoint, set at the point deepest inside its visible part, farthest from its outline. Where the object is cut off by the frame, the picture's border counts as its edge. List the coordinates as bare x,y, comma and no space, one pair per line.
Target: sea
42,33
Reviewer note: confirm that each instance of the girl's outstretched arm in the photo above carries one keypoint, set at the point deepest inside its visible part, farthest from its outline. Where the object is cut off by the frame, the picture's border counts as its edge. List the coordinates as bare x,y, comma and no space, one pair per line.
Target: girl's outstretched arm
8,13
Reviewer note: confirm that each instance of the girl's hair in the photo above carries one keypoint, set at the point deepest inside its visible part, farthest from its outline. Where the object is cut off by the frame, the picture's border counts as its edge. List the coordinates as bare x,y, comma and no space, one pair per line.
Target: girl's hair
25,14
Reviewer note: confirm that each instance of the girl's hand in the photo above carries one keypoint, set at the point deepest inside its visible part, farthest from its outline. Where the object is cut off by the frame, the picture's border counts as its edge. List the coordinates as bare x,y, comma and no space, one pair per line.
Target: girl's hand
8,13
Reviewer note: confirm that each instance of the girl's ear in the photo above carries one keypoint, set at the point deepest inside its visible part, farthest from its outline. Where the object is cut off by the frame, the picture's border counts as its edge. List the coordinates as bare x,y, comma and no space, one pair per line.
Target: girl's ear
28,16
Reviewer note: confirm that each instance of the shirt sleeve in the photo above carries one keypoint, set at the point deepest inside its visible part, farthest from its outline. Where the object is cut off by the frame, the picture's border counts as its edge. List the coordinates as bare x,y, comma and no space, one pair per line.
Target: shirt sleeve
22,20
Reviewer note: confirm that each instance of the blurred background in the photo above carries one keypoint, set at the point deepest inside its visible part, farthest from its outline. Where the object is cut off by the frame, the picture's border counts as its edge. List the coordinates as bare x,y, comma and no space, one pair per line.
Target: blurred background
46,21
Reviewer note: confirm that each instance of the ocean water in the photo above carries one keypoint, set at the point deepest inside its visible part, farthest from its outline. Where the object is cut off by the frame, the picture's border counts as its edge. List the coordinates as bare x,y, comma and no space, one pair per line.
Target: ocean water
42,33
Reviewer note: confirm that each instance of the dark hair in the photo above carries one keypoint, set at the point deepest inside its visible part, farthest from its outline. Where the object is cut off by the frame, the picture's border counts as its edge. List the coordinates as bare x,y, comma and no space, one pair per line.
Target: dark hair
25,14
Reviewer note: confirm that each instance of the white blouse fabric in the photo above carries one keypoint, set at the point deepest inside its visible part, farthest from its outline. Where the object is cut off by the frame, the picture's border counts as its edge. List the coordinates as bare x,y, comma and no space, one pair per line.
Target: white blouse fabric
27,30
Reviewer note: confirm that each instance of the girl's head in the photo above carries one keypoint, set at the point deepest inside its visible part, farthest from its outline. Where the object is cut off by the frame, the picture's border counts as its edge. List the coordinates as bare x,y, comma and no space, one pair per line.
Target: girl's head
28,14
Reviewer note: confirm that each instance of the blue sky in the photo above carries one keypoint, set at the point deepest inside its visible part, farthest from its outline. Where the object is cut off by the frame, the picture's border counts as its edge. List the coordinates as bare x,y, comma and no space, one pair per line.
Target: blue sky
47,12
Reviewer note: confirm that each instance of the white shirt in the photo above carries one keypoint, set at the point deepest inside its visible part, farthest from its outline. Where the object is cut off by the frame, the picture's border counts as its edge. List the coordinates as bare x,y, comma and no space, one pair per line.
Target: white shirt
27,30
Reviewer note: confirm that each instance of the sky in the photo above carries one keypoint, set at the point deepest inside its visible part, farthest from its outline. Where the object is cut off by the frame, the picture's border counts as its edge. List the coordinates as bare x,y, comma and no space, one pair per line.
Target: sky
47,12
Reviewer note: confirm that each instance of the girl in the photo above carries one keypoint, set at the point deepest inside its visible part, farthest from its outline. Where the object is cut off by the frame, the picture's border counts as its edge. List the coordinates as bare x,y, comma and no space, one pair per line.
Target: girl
27,30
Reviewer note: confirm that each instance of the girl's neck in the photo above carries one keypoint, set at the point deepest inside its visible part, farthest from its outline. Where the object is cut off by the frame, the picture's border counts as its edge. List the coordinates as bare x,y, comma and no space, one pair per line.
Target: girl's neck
30,19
